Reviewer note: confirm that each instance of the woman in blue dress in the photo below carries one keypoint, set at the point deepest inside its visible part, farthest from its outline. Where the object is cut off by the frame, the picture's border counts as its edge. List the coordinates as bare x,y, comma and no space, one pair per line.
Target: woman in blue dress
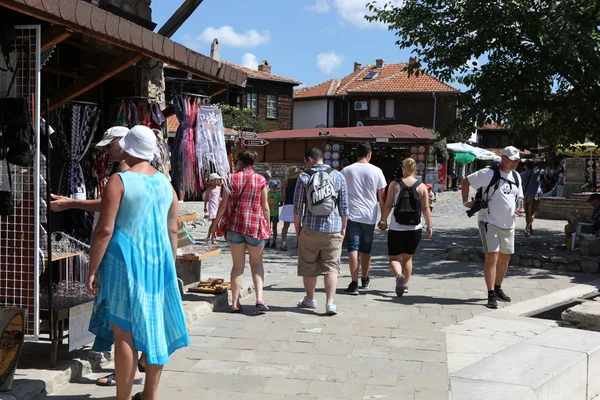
132,268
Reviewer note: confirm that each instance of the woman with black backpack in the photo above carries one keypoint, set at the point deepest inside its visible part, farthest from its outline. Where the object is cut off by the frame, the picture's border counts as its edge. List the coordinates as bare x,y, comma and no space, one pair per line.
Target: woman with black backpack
408,199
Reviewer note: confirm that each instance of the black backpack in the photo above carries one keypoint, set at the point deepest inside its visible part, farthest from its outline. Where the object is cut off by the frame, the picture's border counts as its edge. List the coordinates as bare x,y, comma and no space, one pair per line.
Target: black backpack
495,182
17,132
407,209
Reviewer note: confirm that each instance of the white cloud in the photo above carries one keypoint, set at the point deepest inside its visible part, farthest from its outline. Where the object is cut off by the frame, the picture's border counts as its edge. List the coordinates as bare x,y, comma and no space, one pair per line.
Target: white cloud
354,11
249,60
329,62
229,37
320,6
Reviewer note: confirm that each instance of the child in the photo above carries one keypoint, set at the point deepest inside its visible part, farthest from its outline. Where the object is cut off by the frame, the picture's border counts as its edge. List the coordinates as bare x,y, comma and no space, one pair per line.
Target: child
275,201
213,197
431,196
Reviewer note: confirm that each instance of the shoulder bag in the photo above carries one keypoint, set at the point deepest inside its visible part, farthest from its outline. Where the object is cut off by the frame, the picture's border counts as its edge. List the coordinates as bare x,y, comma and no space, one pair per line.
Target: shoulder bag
224,222
6,196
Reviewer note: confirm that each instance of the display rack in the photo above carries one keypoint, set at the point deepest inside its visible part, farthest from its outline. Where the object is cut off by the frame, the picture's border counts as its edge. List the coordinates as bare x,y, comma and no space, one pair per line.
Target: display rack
20,250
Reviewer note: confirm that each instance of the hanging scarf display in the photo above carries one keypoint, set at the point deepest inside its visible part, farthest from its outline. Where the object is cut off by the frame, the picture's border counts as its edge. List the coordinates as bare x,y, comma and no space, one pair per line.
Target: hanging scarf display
75,125
161,154
211,151
139,111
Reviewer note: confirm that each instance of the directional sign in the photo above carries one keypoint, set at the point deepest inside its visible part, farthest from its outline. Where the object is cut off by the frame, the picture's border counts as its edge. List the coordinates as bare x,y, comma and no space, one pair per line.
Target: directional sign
249,135
255,142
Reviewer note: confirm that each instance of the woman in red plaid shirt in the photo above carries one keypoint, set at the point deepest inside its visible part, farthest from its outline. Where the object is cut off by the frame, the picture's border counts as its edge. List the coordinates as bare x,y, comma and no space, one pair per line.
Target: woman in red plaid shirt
245,210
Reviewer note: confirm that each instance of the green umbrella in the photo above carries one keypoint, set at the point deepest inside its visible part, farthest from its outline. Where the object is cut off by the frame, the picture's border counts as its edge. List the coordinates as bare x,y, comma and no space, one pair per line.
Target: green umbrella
464,158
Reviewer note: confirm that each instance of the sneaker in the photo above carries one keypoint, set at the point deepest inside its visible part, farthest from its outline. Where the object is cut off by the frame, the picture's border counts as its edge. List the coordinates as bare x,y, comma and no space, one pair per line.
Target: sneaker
405,289
365,282
267,244
331,309
306,303
400,285
273,245
492,303
501,295
352,288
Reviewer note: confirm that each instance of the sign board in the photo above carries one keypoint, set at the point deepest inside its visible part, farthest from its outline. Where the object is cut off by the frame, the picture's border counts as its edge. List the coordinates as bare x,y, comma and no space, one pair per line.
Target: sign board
249,135
255,142
575,170
79,323
382,140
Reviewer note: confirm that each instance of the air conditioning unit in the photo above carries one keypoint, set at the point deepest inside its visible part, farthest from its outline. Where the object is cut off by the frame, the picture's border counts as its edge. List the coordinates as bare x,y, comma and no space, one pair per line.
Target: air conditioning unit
361,106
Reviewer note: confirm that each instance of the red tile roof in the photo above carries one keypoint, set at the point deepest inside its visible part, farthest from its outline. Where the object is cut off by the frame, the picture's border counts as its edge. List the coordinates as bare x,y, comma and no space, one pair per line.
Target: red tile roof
492,127
390,79
391,132
254,74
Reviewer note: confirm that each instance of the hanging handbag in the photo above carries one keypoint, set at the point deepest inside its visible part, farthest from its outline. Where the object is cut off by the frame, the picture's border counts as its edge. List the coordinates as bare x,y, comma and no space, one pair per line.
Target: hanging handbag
6,198
224,222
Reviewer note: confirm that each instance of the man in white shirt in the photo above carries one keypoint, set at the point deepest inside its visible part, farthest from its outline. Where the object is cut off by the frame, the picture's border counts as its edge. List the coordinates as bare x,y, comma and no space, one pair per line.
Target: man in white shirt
366,188
502,189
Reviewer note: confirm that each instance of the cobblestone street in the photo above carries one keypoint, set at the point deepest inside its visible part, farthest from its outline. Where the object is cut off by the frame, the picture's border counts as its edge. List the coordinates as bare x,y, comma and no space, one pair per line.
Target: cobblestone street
379,346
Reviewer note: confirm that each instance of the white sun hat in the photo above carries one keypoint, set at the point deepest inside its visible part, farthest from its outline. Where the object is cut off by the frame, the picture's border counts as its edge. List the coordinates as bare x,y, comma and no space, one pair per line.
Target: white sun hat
140,142
116,132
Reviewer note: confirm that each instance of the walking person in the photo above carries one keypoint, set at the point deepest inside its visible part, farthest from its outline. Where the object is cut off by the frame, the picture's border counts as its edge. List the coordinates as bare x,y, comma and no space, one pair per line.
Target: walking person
320,218
132,269
244,214
275,201
287,212
366,190
409,200
503,194
110,145
532,190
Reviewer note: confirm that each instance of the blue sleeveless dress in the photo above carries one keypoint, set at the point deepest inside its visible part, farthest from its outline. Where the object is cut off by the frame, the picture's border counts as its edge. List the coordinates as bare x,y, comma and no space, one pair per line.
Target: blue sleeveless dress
138,283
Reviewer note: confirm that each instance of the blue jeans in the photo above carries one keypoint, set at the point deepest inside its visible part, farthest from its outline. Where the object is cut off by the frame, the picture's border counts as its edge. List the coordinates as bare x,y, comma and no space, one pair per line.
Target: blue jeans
236,238
360,237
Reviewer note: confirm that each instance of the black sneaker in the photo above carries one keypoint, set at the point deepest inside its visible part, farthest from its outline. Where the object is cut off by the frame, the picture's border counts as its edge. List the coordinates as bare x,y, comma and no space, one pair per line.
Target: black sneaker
501,295
492,303
365,282
273,245
400,285
267,244
352,288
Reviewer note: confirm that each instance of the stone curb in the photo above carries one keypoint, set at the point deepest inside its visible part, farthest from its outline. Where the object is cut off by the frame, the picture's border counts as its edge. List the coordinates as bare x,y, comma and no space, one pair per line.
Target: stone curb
28,386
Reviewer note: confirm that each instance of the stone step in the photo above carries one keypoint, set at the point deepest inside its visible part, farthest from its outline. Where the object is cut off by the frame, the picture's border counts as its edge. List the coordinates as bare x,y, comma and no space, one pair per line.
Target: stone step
585,315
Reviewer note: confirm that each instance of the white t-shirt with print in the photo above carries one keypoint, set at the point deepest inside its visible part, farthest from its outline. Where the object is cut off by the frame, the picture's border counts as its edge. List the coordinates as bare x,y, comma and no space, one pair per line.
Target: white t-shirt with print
503,202
363,180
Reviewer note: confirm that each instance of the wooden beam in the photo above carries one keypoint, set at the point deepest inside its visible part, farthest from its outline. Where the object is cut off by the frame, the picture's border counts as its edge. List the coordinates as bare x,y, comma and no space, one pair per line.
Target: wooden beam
92,80
179,17
218,92
53,36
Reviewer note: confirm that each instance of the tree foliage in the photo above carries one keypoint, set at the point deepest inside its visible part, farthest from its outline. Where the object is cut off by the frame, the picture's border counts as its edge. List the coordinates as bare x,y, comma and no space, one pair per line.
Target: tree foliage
540,74
245,119
441,149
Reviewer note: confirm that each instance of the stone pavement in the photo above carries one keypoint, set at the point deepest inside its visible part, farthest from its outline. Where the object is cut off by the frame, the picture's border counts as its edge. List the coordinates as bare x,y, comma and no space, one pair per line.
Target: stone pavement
378,346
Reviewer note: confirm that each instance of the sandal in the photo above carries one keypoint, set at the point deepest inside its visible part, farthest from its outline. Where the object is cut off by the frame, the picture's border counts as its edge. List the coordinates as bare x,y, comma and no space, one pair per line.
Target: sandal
262,307
237,310
111,381
138,396
284,247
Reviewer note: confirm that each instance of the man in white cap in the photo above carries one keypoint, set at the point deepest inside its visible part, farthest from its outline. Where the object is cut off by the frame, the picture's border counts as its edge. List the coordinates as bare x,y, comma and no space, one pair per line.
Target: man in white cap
110,144
501,193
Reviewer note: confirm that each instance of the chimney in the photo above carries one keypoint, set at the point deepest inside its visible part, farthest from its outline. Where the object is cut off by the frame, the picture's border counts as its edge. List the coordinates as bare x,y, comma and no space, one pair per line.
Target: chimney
215,50
264,67
379,63
413,60
357,66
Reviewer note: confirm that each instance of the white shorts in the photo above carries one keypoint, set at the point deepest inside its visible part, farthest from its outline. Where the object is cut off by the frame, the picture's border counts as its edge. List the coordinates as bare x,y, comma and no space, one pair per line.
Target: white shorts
496,239
287,213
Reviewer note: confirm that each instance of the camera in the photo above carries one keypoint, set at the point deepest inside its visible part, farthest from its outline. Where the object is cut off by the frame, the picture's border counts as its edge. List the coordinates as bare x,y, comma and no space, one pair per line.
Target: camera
478,204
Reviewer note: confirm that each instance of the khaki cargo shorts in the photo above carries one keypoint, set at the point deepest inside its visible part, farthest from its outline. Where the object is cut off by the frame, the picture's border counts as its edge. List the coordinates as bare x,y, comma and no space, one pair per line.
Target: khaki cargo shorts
495,239
319,253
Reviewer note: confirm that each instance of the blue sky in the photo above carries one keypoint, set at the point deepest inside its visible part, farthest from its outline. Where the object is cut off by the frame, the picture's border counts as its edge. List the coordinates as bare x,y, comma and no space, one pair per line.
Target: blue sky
307,40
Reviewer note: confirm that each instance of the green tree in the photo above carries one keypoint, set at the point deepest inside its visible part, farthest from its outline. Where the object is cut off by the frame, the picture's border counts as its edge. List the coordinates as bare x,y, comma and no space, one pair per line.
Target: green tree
541,71
245,119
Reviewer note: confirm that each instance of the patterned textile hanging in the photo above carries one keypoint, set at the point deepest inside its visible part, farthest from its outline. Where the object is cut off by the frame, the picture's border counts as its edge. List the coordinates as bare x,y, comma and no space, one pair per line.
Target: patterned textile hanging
184,149
211,150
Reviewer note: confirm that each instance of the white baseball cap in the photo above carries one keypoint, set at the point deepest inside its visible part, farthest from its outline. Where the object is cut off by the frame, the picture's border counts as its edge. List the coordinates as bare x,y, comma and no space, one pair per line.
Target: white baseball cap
511,153
214,175
111,134
140,142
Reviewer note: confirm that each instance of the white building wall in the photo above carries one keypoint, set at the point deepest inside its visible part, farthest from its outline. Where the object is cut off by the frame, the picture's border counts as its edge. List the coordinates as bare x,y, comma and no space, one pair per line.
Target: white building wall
310,114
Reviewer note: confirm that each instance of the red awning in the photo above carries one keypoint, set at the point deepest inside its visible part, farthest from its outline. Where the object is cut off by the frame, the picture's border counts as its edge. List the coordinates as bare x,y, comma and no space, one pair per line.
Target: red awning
391,132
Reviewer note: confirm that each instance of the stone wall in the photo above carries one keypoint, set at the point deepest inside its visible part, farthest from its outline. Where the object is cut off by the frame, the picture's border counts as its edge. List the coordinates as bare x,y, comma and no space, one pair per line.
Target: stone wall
278,170
569,261
557,208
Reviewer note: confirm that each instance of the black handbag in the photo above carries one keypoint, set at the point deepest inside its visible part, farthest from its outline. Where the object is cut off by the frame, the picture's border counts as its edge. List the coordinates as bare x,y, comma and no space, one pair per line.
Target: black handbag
6,197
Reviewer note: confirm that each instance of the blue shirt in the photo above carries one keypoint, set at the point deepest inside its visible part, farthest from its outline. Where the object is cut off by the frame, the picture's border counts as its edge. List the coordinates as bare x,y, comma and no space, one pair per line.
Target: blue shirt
531,183
323,223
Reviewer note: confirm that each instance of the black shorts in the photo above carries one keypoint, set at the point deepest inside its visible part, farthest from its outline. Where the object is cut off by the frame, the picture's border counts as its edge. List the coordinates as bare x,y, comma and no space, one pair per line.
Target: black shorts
403,242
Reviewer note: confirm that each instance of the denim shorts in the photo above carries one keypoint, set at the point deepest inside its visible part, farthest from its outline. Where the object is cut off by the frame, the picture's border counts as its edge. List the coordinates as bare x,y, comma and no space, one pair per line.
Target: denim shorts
236,238
360,237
